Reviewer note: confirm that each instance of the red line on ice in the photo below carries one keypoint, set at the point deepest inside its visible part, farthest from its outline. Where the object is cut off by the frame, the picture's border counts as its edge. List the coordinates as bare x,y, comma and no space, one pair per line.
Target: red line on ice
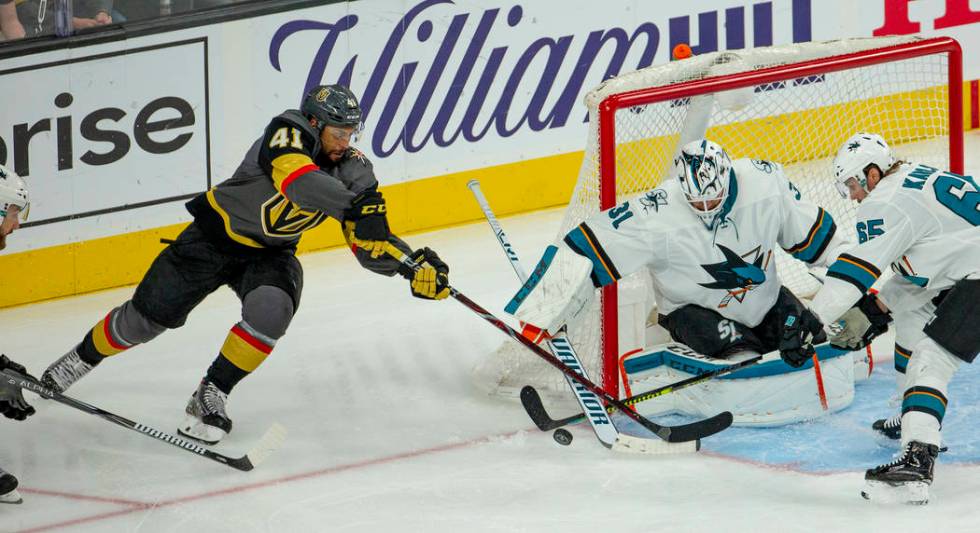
135,506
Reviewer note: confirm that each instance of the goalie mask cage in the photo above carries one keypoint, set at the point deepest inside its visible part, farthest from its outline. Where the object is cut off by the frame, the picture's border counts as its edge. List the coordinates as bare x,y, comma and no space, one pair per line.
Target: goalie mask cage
793,104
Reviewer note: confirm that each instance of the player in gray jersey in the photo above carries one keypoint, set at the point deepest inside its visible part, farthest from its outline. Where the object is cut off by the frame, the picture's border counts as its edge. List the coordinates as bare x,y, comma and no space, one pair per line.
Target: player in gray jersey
244,235
13,206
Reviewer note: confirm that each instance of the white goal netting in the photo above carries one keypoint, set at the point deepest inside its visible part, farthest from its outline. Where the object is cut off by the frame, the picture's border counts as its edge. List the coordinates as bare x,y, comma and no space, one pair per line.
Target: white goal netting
793,119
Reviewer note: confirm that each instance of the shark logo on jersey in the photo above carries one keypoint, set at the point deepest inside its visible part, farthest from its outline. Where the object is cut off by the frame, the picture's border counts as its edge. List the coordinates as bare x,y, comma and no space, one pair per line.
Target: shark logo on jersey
762,165
654,199
736,275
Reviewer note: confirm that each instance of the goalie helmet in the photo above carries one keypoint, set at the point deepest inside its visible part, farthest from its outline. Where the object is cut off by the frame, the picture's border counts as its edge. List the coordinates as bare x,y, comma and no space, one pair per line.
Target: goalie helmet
13,191
332,105
705,173
856,155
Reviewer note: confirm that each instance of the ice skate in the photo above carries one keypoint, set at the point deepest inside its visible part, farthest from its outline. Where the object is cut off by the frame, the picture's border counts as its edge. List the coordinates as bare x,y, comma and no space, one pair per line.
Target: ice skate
905,480
892,429
8,488
889,427
206,418
64,372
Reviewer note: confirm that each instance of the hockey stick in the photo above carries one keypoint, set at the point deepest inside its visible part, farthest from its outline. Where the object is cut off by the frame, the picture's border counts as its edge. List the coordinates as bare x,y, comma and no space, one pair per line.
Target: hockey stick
684,433
266,445
535,408
598,419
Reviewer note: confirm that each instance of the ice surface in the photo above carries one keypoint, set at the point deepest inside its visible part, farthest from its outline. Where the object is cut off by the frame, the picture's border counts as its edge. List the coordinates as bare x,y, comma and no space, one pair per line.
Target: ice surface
386,433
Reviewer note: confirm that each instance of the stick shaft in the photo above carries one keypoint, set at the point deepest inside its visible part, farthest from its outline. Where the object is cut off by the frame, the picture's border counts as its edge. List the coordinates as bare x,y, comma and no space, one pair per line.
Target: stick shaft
661,431
474,186
560,346
25,383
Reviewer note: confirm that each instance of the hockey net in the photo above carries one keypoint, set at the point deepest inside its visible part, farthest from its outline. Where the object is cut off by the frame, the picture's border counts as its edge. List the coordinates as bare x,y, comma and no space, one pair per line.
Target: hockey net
791,104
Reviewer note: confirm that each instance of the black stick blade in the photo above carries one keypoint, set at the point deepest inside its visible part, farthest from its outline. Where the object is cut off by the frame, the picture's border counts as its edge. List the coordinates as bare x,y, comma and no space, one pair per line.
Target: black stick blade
535,409
700,429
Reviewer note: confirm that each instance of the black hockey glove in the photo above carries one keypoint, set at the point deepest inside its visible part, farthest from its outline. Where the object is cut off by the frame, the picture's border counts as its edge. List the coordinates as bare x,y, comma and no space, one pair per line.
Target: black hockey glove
366,223
861,324
12,403
431,281
800,331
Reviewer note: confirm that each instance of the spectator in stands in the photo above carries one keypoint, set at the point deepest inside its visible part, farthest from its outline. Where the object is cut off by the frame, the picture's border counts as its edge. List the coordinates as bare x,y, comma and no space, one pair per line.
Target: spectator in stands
10,25
39,15
92,13
131,10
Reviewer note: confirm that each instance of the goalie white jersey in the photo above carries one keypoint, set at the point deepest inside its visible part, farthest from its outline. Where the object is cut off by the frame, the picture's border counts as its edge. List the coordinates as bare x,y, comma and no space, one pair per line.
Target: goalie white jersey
729,268
920,220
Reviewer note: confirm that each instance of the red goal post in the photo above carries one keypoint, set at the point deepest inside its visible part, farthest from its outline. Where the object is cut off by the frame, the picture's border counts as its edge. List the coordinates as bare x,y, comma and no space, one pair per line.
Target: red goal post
752,78
791,104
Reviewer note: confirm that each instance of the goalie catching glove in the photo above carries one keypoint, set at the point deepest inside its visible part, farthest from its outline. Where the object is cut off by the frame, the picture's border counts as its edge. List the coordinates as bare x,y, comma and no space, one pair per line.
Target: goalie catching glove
861,324
800,332
366,223
431,280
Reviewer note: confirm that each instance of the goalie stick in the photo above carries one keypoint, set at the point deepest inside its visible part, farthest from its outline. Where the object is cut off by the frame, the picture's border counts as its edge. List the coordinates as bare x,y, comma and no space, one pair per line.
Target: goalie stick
598,419
535,407
683,433
266,445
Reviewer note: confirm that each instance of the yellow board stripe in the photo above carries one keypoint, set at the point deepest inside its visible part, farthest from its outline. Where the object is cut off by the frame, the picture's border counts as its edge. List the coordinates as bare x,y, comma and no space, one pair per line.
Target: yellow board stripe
419,205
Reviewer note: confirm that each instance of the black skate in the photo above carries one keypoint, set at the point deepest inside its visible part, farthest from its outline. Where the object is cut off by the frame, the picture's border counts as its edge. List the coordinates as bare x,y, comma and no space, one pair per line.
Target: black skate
892,428
64,372
8,488
206,418
889,427
905,480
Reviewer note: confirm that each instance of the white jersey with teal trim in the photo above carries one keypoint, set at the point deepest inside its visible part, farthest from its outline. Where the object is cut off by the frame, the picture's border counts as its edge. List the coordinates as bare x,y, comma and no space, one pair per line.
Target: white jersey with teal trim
920,220
729,268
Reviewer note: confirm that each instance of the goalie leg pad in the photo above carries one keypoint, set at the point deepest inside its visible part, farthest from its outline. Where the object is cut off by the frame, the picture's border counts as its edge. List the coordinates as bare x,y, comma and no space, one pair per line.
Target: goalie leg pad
556,292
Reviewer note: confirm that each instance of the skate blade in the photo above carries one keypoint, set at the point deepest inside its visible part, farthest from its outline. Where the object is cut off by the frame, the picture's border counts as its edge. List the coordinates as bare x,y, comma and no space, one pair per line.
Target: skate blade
192,427
911,493
12,497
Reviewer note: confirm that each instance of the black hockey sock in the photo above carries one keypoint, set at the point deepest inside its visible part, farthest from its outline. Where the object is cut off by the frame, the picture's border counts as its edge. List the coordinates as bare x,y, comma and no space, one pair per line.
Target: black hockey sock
87,351
224,374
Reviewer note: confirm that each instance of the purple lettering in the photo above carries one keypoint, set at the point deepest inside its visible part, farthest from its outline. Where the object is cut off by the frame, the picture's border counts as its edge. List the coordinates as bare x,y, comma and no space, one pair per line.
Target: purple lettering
468,105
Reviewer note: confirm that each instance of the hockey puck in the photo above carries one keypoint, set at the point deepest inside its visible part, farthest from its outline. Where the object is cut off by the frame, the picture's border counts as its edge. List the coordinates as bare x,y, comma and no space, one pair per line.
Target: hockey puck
563,437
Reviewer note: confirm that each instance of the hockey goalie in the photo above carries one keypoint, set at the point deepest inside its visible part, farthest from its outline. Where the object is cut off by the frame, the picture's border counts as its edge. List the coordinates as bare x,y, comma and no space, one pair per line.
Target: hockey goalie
707,237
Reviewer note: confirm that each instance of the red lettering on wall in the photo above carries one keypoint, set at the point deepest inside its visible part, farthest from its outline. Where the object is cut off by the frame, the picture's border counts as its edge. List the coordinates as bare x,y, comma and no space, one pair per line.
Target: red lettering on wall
958,13
897,19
